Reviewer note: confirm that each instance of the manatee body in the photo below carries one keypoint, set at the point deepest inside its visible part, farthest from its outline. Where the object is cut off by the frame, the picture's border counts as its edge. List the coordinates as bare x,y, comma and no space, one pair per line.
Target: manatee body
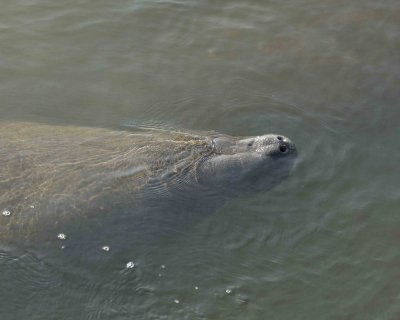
54,177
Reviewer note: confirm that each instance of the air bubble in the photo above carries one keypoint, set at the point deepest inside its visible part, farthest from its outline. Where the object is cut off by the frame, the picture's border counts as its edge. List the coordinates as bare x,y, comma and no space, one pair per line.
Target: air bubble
228,291
162,266
6,213
105,248
196,288
62,236
176,301
130,265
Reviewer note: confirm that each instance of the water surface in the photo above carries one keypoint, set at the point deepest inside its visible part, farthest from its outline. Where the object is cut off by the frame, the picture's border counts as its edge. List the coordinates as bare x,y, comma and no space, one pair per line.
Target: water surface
324,244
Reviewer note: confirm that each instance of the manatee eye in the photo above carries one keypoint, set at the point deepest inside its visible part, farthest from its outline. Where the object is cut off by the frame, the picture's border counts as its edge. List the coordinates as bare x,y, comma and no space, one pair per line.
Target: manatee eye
283,148
279,138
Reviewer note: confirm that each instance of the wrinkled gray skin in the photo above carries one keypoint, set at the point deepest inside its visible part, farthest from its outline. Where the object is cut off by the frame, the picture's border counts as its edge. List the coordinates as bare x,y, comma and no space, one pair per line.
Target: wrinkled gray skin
74,180
255,162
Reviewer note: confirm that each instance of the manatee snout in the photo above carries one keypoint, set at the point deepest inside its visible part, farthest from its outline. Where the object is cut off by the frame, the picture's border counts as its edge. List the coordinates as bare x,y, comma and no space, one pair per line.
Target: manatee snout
274,145
269,159
251,163
268,145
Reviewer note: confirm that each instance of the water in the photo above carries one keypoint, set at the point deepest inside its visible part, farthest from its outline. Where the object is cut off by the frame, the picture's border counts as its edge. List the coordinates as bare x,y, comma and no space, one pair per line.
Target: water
324,244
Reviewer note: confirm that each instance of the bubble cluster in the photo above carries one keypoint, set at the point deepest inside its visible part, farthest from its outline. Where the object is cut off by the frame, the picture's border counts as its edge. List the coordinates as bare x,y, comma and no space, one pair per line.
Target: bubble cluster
105,248
130,265
6,213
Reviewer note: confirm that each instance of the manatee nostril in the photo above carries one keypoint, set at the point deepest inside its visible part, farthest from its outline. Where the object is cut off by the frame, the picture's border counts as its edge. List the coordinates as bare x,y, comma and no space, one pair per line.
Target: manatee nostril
279,138
250,144
282,148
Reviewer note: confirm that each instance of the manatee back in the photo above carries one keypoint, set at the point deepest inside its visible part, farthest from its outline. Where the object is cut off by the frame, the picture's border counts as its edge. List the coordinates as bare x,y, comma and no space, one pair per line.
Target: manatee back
55,176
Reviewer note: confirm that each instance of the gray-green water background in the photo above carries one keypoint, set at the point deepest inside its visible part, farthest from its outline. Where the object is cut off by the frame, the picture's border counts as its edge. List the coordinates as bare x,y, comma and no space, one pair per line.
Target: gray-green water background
324,244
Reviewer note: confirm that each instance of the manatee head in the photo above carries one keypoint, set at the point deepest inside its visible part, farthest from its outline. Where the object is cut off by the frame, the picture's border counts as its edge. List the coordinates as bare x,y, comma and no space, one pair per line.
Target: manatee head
247,164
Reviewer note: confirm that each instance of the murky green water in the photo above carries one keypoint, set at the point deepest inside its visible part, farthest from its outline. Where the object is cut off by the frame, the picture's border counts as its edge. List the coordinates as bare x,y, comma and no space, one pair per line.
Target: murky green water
324,244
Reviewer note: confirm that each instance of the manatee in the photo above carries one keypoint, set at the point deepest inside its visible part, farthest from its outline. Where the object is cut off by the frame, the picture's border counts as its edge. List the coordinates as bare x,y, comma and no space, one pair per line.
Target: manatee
54,178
